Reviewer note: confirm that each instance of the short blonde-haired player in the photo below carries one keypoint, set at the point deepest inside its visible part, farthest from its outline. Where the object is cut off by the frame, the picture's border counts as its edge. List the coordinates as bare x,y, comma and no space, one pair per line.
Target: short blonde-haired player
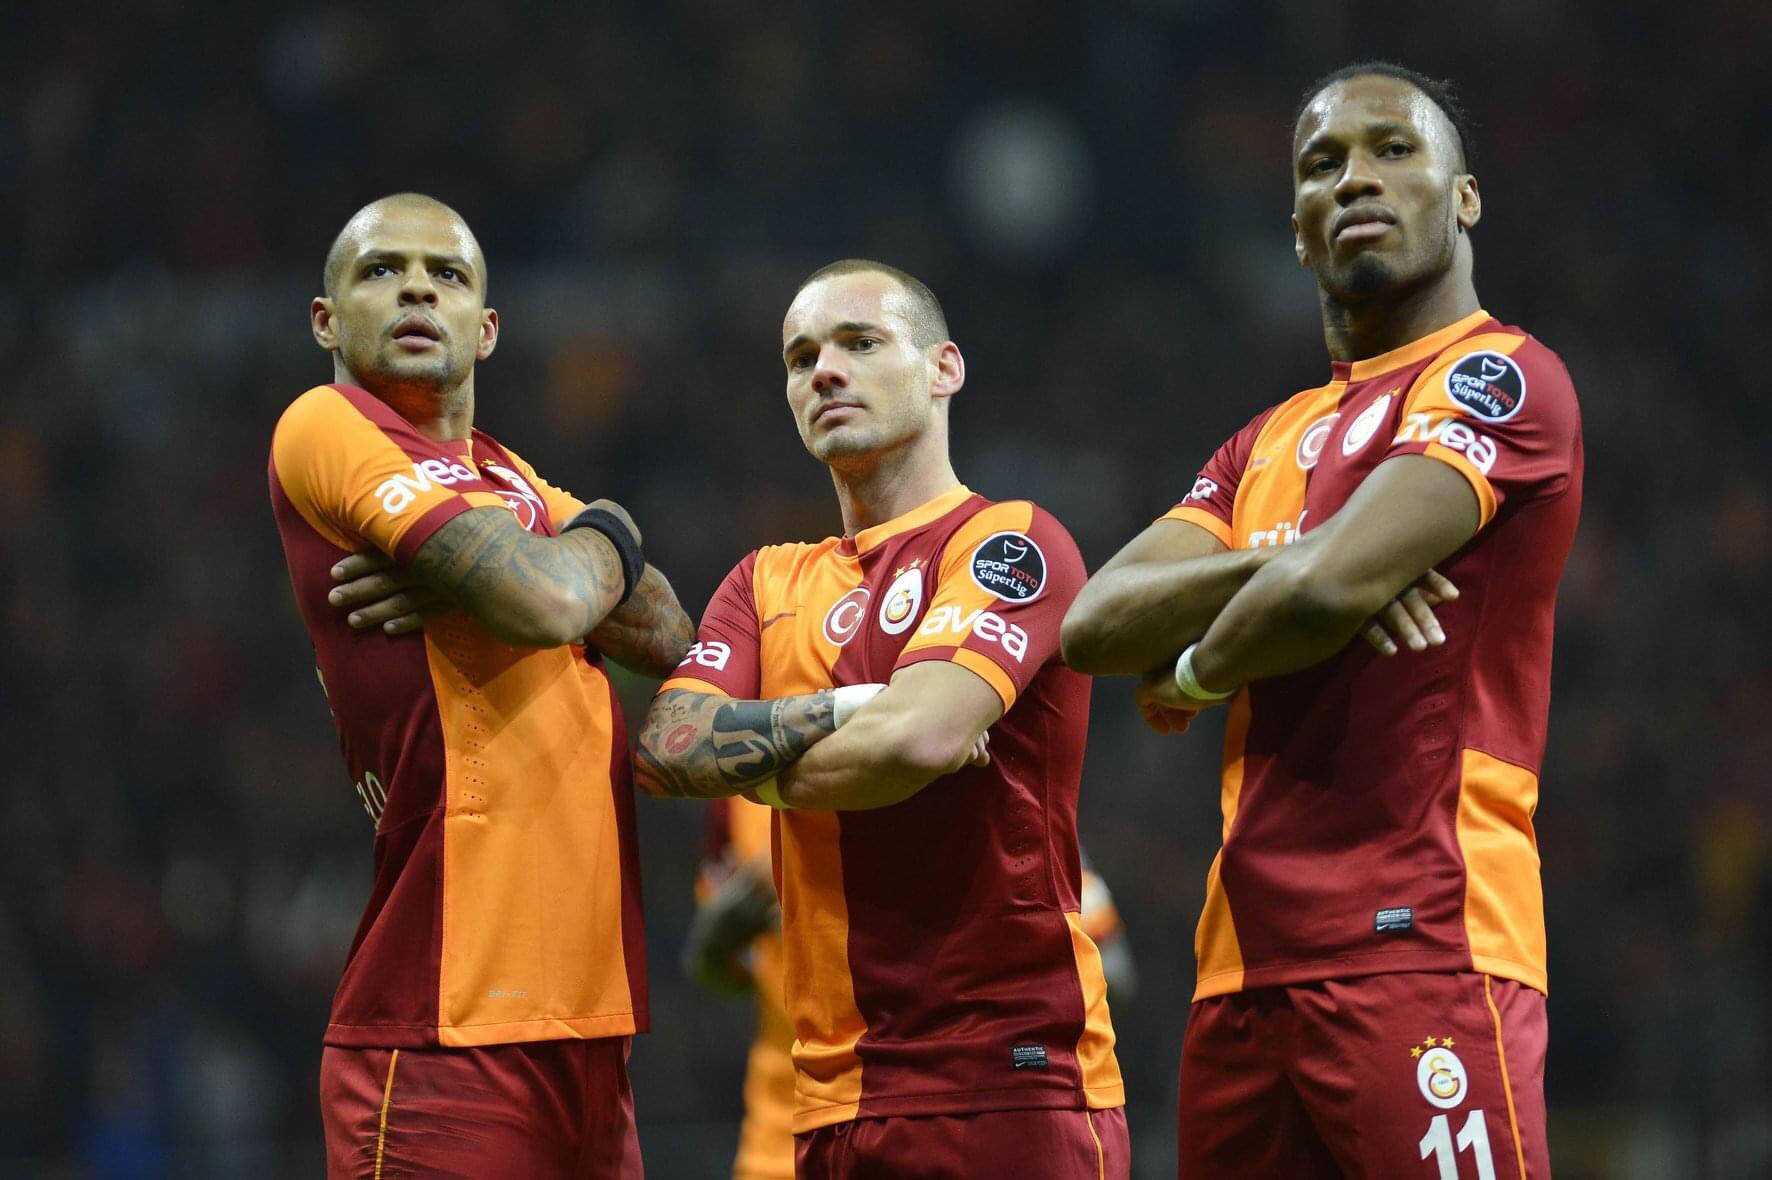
950,1014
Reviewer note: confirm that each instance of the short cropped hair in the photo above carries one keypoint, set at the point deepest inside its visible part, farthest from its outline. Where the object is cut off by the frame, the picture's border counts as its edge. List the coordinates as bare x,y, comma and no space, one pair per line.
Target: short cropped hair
338,254
1439,91
929,325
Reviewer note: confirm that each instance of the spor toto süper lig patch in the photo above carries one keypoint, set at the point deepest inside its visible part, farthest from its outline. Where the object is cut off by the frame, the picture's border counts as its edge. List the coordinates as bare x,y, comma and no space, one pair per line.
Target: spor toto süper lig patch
1489,385
1010,566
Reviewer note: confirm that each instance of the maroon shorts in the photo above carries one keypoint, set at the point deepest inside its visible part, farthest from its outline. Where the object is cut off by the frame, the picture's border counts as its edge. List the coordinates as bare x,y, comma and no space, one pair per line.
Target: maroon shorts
1437,1076
995,1145
541,1109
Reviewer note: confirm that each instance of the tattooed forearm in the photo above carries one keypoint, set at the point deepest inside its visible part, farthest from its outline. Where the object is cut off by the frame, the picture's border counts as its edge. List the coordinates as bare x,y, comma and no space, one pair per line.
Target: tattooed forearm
528,590
702,746
649,633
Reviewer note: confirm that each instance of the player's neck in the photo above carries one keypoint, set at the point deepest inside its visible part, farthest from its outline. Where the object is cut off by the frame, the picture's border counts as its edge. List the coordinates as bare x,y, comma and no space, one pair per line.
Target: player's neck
441,416
1370,327
892,487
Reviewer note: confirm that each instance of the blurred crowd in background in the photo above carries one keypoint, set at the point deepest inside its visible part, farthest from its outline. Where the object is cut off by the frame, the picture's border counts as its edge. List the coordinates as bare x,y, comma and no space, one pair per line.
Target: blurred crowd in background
1099,193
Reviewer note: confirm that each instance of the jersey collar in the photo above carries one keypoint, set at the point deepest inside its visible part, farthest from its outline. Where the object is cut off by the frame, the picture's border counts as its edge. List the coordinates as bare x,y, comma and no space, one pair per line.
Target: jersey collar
1416,350
916,518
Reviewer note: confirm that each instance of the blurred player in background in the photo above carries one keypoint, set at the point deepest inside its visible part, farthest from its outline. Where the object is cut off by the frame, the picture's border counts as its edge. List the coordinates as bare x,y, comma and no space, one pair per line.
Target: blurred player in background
483,1021
734,949
950,1014
1371,953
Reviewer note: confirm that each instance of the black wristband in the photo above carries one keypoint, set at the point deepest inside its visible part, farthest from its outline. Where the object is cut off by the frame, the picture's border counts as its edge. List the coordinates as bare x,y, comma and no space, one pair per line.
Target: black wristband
633,562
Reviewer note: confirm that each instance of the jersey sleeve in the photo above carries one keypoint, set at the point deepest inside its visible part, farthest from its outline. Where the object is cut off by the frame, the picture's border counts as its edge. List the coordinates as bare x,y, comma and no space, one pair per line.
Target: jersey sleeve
1501,410
561,505
363,475
1214,494
1003,582
726,657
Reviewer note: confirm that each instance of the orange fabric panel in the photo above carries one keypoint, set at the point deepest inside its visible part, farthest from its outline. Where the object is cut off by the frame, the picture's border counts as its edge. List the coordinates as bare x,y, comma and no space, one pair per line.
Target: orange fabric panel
352,483
1215,941
562,505
1270,496
796,657
814,908
1103,1086
1203,518
748,827
1503,899
528,737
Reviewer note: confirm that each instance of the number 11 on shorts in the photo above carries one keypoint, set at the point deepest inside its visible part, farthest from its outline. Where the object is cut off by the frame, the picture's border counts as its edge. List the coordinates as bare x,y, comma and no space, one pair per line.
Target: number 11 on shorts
1439,1144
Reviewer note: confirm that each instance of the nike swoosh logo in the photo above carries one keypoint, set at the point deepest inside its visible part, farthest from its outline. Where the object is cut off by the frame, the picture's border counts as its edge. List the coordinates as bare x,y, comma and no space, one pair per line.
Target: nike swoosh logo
776,618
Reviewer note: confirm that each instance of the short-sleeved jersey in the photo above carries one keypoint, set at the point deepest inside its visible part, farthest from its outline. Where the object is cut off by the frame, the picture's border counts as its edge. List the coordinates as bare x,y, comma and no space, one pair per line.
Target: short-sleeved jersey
1378,811
936,963
505,904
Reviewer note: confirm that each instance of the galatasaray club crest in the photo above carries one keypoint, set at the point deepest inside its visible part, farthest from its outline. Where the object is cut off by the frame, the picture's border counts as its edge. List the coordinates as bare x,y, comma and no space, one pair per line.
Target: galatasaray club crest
1439,1073
898,609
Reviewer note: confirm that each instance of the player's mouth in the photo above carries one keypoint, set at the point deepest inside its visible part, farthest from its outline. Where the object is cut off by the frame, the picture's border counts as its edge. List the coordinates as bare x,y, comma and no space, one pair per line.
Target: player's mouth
1362,223
416,333
843,411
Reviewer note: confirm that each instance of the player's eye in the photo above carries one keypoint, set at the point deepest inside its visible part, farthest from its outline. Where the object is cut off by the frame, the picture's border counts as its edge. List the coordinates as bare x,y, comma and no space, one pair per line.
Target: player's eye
376,270
1396,149
1319,166
865,344
450,274
800,360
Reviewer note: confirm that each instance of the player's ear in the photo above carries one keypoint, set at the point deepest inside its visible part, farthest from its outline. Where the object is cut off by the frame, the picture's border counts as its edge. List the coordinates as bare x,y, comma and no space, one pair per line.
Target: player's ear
950,370
320,322
1304,259
1470,201
488,334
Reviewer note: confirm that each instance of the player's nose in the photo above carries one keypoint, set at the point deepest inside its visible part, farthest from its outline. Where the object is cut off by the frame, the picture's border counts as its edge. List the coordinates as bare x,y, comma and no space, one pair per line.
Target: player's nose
1359,178
829,373
416,286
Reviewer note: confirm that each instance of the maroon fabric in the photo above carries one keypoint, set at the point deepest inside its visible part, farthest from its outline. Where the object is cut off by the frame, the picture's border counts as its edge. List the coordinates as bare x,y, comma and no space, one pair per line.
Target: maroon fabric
532,1111
995,1145
1351,768
1327,1079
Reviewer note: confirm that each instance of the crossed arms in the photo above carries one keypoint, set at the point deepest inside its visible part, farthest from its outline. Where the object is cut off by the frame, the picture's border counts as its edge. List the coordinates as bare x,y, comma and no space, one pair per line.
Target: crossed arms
528,590
930,720
1257,613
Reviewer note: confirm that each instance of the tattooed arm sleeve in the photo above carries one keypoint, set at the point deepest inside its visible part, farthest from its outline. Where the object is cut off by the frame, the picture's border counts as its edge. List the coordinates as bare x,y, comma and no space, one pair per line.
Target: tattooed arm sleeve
529,590
699,745
649,633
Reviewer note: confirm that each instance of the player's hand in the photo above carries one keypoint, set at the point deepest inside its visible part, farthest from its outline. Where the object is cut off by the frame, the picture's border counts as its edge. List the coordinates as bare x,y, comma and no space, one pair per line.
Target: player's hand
378,593
621,514
1157,712
981,751
1408,619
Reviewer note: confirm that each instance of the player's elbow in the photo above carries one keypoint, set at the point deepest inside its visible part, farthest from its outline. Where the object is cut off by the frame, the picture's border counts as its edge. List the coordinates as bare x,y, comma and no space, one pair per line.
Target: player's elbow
537,618
917,754
1082,635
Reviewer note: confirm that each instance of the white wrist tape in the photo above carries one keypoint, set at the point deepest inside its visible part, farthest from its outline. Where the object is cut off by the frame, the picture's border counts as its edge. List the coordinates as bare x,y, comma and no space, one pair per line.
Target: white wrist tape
1188,683
846,700
769,791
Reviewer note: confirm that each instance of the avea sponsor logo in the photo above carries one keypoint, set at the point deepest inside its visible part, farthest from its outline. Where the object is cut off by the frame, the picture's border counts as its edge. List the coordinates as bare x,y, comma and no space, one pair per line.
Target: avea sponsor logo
397,492
1452,434
986,625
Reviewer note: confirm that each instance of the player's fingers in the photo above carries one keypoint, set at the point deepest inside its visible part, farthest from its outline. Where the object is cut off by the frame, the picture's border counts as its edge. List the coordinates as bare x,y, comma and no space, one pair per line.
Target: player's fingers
981,751
369,561
367,589
1375,634
1402,628
385,609
1437,584
405,624
1423,616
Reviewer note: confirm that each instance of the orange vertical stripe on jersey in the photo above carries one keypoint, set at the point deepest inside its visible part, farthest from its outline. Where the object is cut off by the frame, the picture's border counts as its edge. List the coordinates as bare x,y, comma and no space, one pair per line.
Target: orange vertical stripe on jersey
1503,900
512,969
1277,498
1103,1086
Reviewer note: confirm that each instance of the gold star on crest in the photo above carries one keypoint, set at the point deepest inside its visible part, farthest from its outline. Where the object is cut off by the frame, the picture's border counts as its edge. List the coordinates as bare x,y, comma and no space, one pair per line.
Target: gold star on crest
1415,1050
1431,1042
1446,1042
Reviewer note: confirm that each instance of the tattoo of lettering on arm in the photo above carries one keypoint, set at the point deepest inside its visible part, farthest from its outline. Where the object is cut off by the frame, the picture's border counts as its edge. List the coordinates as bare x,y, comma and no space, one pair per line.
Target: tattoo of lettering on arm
695,745
528,590
648,633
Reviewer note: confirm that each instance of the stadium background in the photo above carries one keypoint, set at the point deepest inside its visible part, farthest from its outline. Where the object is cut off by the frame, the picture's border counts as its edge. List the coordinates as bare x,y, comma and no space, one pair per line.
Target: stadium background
1099,194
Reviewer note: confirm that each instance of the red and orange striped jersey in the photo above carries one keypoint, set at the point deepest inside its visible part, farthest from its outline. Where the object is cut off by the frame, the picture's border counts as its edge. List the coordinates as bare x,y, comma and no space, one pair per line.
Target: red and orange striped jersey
505,904
1378,811
935,959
